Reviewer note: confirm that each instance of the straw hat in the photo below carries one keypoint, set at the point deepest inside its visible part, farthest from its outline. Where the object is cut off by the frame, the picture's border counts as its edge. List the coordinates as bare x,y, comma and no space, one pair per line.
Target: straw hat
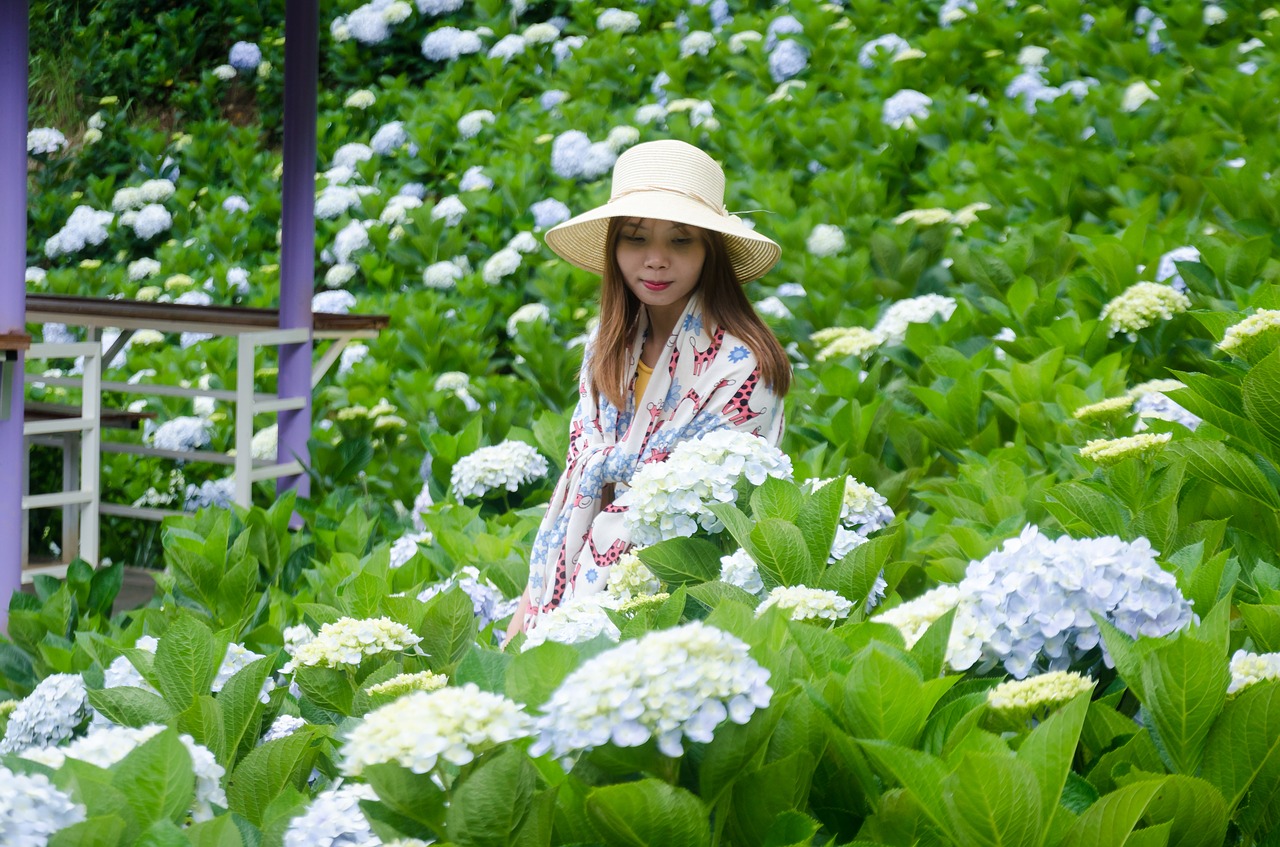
671,181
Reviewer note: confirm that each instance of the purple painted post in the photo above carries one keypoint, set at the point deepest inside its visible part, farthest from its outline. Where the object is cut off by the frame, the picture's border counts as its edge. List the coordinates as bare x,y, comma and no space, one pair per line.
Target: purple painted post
298,225
13,285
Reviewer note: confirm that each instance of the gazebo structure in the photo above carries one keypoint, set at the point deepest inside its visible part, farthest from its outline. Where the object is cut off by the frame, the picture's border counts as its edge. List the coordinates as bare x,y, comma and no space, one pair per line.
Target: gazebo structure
297,255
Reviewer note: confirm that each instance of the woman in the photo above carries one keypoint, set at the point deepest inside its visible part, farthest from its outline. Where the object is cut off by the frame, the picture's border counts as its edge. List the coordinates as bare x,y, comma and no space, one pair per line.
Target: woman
679,352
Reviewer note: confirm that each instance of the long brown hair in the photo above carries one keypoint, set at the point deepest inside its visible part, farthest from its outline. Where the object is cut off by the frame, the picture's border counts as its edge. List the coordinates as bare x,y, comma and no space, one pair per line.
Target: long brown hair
723,301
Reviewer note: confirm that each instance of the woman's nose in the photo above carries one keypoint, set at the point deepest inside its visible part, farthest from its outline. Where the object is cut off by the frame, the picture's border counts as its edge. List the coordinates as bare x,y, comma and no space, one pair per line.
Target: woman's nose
655,258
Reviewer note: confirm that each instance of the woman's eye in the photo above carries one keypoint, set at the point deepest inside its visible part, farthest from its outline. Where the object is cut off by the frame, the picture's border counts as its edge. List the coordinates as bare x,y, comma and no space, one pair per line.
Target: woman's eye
634,239
681,242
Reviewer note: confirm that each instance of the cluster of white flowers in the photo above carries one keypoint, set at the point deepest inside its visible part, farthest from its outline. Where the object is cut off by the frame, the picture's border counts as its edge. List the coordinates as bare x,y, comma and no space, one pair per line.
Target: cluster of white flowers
282,727
1031,86
669,685
670,499
1251,668
336,302
891,45
741,570
802,603
1141,305
420,728
334,819
149,221
1242,337
436,8
787,59
32,810
397,209
1105,411
839,341
955,10
528,313
336,200
904,107
1031,604
361,98
372,22
892,326
470,124
43,141
1135,95
406,683
1112,451
212,493
406,547
442,274
487,601
182,433
1038,694
86,227
574,156
914,617
1167,267
508,47
825,240
136,197
458,384
574,621
508,465
348,641
618,20
500,265
449,43
547,213
1150,401
629,577
235,203
49,714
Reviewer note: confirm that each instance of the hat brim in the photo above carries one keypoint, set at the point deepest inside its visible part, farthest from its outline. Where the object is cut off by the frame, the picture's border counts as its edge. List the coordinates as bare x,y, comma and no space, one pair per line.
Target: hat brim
580,241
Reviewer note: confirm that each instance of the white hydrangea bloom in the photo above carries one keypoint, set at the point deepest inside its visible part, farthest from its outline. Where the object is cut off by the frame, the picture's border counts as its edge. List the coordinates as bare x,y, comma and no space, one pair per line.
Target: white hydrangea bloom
825,240
224,72
235,203
670,499
49,714
36,276
337,302
335,201
955,10
397,209
487,601
564,48
629,577
508,466
1251,668
1030,604
475,179
44,140
508,47
448,43
574,621
1141,305
923,217
436,8
215,493
528,313
421,728
787,60
1240,337
351,355
697,43
84,228
404,683
182,433
892,326
155,191
441,275
339,275
1038,693
500,265
1135,95
802,603
669,685
573,156
449,209
547,213
150,221
772,307
32,809
524,242
350,238
779,27
348,641
1112,451
352,154
282,727
1167,269
541,33
334,819
914,617
1111,409
890,45
651,113
838,342
1214,15
741,570
142,269
470,124
904,107
361,98
1149,401
406,546
622,137
618,20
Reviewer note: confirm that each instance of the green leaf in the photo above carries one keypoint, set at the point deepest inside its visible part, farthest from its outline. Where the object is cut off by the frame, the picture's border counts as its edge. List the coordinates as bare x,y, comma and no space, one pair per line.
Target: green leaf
1113,817
534,674
157,778
1184,685
1048,751
362,596
777,498
219,832
854,575
1264,625
241,708
733,748
712,594
781,552
448,629
1242,752
185,663
883,697
736,522
329,688
791,829
1083,510
648,813
104,586
129,706
1193,808
917,772
993,800
1218,463
489,805
203,722
268,770
98,831
762,795
682,561
486,668
819,517
412,795
930,651
163,834
1261,394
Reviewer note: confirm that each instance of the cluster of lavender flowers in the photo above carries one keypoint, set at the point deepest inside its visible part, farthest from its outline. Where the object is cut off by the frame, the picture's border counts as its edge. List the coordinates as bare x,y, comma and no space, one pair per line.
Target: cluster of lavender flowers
49,715
32,809
508,465
668,685
334,819
670,499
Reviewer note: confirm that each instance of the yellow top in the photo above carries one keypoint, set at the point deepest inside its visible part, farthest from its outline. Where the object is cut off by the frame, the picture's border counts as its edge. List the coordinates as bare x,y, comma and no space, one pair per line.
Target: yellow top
643,372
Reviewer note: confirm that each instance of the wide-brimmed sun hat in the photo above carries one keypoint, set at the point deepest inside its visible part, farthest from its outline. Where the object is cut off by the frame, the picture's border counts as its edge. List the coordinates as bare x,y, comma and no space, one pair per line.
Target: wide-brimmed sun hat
670,181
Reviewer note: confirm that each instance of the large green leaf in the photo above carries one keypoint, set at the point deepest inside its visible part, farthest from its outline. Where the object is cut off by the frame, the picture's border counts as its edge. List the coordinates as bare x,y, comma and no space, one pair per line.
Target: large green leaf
157,778
777,498
683,561
241,708
1261,394
854,575
534,674
1185,685
734,748
780,550
268,770
1242,752
186,662
413,796
98,831
648,813
819,517
1083,510
762,795
1113,816
448,629
486,668
1194,810
490,804
1048,751
1218,463
883,697
129,706
203,722
917,772
993,801
219,832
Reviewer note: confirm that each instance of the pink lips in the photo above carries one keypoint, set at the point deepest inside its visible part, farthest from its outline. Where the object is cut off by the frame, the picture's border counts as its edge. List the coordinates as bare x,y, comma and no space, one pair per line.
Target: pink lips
655,286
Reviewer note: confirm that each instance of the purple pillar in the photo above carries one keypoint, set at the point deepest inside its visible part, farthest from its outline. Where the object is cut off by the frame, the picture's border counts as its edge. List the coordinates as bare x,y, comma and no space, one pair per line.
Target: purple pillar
13,285
298,236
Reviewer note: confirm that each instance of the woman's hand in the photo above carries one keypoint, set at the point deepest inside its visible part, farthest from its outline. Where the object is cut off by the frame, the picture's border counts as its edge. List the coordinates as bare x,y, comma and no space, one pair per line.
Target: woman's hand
517,619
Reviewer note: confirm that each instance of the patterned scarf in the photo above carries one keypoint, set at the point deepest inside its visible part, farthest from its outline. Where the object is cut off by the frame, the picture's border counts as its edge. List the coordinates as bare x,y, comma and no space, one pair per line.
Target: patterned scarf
705,380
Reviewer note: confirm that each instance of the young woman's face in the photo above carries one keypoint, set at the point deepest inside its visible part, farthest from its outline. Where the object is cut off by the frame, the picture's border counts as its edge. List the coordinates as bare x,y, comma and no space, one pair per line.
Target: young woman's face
661,261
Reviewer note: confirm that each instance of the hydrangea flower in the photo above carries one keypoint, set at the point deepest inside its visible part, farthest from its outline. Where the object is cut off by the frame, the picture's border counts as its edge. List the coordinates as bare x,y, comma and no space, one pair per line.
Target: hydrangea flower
500,265
508,47
1241,338
470,124
49,714
890,45
955,10
448,43
825,240
405,683
772,307
1112,451
524,242
574,621
618,20
235,203
86,227
1141,305
622,137
914,617
838,342
350,238
573,156
564,48
1149,401
787,60
436,8
245,56
739,41
541,33
528,313
1038,695
334,819
389,138
348,641
780,27
352,154
182,434
419,729
397,209
1110,410
223,73
339,275
741,570
802,603
1135,95
892,326
1030,604
904,107
552,98
336,302
547,213
670,499
697,43
441,275
458,384
215,493
361,98
44,141
629,577
508,465
149,221
449,209
406,546
1251,668
486,599
282,727
32,809
669,685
